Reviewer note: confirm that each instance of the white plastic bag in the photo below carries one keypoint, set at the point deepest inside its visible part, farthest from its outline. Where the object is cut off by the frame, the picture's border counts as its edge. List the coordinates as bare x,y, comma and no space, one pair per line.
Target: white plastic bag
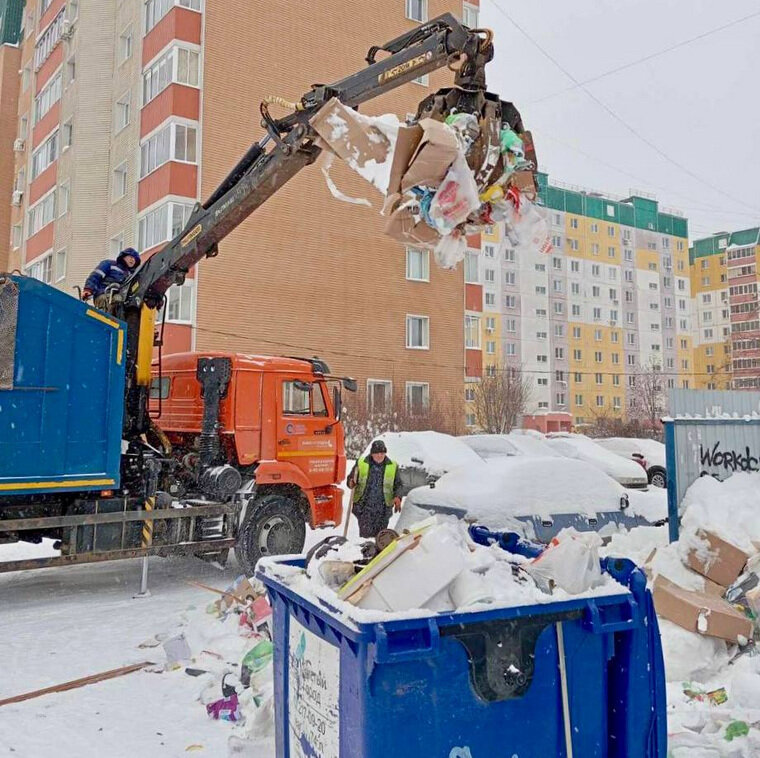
450,250
571,562
456,198
532,228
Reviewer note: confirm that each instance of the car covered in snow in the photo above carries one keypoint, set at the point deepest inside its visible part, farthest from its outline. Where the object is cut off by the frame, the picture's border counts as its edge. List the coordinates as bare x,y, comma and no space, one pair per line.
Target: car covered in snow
423,457
583,448
489,446
535,496
649,453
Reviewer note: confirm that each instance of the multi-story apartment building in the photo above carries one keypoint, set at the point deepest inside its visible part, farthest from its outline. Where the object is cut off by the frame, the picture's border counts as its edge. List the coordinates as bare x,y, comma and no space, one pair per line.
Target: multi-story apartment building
724,275
611,301
130,111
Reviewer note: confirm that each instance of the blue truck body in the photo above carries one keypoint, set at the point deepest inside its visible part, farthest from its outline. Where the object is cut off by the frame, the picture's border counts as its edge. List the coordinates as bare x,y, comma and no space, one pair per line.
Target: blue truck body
61,412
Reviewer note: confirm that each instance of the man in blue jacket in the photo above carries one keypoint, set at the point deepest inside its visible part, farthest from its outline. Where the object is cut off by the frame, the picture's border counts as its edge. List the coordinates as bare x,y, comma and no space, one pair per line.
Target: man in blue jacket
110,272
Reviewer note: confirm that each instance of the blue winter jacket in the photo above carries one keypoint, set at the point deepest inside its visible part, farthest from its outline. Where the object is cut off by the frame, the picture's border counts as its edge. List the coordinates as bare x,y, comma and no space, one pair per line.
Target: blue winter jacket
110,272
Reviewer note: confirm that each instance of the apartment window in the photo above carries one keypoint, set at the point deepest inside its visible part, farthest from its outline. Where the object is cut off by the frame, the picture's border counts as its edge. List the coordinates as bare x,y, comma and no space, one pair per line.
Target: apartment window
48,40
594,248
472,332
490,323
471,267
631,361
684,324
125,45
155,10
557,263
162,224
576,310
610,231
509,255
175,142
44,155
540,289
575,288
628,255
26,78
596,291
60,265
573,244
179,303
491,347
559,308
41,214
119,188
616,357
417,265
17,232
668,302
613,317
469,419
42,269
49,95
577,376
600,401
631,338
122,112
709,350
615,337
574,223
630,318
540,266
559,330
613,294
543,404
71,70
490,275
616,380
559,353
575,266
67,134
557,285
511,324
417,396
540,312
379,393
594,228
509,277
510,301
418,332
469,394
596,270
542,358
579,399
682,305
542,381
597,314
597,335
598,356
576,332
560,397
685,364
629,296
610,252
577,355
64,191
511,349
599,378
416,10
490,299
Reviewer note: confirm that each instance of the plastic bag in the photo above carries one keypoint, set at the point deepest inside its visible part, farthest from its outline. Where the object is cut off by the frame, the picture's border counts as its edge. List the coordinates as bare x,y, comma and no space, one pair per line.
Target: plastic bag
450,250
466,125
532,228
571,562
455,199
511,143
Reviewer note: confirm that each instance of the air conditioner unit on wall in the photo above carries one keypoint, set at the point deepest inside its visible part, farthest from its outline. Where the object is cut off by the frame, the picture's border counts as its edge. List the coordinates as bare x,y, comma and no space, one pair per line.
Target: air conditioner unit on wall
19,145
16,197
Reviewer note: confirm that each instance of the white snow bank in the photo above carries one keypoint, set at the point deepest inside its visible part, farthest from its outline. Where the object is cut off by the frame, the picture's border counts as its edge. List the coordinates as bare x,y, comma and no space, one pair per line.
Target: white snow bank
502,488
730,509
433,452
690,656
584,448
651,504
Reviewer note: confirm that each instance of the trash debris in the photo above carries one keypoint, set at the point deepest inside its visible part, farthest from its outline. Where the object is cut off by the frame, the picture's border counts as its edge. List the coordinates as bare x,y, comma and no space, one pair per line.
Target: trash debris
716,697
571,562
736,729
177,651
716,559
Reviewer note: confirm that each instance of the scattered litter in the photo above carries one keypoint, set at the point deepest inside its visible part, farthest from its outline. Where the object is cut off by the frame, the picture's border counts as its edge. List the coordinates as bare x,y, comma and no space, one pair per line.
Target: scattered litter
177,650
716,697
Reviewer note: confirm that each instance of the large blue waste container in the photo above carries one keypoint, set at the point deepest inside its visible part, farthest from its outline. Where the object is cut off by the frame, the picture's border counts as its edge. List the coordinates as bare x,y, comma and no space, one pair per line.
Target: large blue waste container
470,685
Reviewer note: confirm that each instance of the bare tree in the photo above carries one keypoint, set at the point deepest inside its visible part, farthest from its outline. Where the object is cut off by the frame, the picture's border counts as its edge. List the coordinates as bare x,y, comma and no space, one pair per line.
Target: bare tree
605,424
501,398
648,398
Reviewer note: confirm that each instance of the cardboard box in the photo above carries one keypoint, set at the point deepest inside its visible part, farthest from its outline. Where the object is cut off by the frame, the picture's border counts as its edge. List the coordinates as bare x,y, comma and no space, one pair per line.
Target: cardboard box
436,151
726,561
403,227
525,181
408,140
699,612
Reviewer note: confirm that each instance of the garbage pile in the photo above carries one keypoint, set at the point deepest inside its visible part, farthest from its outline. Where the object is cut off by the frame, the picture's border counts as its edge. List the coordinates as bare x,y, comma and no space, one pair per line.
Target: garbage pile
706,590
440,565
442,180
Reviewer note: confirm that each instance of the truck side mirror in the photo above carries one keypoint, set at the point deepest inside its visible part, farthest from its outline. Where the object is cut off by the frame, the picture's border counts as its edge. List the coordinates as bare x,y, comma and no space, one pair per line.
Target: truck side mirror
350,384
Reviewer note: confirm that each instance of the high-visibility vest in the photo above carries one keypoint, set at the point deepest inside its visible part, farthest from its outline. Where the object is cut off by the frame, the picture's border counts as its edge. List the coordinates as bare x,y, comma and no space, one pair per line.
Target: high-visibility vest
389,477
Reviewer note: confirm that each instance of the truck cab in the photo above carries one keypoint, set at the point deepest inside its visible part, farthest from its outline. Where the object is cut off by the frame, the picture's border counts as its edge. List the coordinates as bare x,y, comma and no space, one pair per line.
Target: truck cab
277,425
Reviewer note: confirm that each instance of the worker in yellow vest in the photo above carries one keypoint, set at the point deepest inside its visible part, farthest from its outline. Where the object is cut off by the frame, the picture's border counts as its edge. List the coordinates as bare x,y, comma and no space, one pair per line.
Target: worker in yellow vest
376,489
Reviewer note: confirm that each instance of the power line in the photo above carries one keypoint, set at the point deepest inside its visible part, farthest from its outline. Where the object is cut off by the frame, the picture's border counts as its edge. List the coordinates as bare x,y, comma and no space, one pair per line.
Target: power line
615,116
647,58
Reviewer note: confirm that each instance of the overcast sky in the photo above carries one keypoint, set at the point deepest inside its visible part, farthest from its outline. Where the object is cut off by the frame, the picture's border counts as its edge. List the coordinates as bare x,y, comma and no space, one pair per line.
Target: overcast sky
699,104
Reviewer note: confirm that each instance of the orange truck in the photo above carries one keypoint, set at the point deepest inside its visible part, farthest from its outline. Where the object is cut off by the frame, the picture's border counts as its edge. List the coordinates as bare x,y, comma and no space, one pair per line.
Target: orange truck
261,431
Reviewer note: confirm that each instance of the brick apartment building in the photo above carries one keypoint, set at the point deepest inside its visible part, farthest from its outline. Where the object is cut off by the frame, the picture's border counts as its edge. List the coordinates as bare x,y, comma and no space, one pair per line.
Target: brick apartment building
129,111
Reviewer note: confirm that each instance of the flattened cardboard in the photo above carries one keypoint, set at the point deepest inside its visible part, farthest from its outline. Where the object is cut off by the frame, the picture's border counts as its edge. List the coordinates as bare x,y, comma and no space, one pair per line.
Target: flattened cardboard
402,227
726,561
684,607
434,154
409,138
359,140
529,148
525,181
710,588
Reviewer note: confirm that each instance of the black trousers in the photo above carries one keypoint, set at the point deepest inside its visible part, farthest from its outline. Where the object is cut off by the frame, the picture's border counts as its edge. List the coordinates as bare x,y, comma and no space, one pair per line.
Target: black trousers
372,518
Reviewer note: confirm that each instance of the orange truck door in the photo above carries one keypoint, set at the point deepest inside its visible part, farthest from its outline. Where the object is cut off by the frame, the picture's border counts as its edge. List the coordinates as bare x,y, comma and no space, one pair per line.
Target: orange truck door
306,433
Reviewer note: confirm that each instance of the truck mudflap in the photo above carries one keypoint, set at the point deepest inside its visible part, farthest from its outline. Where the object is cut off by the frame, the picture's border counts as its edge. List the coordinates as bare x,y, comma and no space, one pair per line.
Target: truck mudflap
109,531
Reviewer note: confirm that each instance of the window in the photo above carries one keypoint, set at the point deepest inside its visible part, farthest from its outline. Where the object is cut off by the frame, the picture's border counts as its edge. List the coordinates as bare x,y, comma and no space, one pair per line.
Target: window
540,267
469,419
559,330
416,10
48,40
511,324
417,265
653,286
575,266
610,252
540,312
509,278
557,285
296,396
709,350
576,310
559,353
116,245
73,10
579,399
613,317
557,263
576,332
472,331
572,243
613,295
469,394
17,233
63,198
125,45
628,255
379,394
611,272
26,78
41,214
610,231
511,348
119,188
543,404
162,224
575,288
577,376
122,112
510,301
490,275
41,269
160,388
471,267
540,289
630,318
418,332
490,348
616,357
705,281
631,338
577,355
179,303
44,155
631,361
594,248
705,263
706,298
597,314
49,95
616,380
542,358
23,127
155,10
599,378
559,308
67,134
542,381
596,291
60,265
560,397
417,396
596,270
594,228
490,299
71,70
599,401
175,142
598,356
597,335
187,67
615,337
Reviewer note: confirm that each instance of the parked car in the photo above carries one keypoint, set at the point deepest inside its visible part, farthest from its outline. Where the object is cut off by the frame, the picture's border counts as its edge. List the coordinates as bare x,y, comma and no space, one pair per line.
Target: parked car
489,446
535,496
579,446
651,451
423,457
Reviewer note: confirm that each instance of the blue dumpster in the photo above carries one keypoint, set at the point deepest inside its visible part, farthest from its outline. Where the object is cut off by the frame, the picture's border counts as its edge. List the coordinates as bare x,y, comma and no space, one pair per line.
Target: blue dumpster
486,684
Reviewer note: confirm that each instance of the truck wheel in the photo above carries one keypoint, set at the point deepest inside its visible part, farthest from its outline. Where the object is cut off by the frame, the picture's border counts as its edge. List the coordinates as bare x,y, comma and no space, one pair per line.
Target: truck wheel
658,477
274,525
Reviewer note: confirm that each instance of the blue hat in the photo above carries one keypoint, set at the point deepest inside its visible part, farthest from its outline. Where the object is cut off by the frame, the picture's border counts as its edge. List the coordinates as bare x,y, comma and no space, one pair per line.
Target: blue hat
129,251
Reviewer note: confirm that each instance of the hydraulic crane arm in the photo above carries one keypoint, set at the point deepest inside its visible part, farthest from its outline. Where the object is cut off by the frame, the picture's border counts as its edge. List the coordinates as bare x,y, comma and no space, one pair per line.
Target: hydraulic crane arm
289,145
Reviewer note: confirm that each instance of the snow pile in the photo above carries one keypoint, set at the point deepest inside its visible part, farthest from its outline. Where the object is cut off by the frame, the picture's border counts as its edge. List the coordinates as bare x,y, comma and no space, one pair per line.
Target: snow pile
584,448
498,490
